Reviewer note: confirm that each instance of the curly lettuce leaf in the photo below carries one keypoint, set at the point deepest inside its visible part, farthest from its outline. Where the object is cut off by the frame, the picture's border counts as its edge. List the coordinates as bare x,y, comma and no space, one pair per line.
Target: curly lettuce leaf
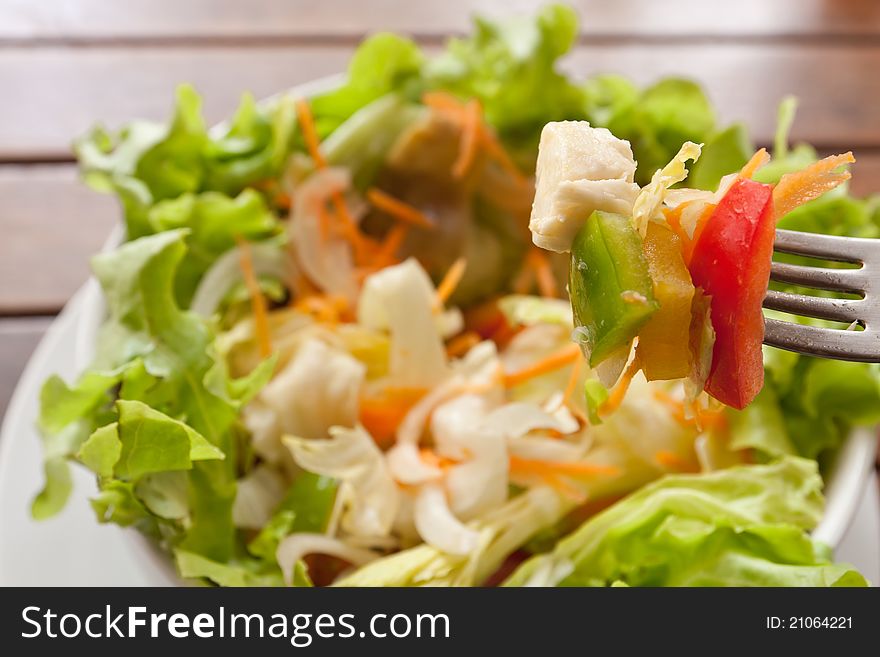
745,526
177,410
214,222
238,573
306,507
382,63
148,162
662,118
142,442
725,152
761,427
510,67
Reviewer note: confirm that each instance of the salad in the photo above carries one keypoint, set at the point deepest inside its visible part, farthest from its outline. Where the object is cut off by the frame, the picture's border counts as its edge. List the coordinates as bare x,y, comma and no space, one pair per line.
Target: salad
333,355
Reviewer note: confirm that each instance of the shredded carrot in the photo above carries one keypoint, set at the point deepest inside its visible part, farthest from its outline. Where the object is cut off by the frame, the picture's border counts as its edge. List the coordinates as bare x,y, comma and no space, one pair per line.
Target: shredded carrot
564,488
450,281
675,462
443,102
795,189
258,301
558,359
758,160
615,398
498,153
475,133
572,381
461,344
470,138
388,248
432,458
310,134
381,415
349,226
566,468
270,187
399,209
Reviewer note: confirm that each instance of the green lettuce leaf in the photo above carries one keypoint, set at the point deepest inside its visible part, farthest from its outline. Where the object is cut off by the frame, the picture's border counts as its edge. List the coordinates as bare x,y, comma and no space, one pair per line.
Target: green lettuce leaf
177,410
307,507
761,426
214,222
660,120
191,565
510,67
253,148
144,441
725,152
117,503
382,63
605,95
148,163
745,526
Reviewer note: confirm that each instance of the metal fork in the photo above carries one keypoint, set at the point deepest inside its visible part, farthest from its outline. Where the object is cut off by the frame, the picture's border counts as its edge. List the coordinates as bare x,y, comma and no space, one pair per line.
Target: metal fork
863,281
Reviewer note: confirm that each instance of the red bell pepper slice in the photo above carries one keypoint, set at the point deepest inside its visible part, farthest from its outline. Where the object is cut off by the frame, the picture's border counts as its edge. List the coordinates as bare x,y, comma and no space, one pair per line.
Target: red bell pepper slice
731,262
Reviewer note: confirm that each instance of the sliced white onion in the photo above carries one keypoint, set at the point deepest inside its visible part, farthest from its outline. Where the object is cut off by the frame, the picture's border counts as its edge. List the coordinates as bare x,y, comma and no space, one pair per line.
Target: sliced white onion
268,260
256,497
438,527
545,449
316,390
408,467
519,418
400,299
452,421
532,344
480,483
296,546
557,407
326,259
481,366
449,322
413,423
262,423
352,456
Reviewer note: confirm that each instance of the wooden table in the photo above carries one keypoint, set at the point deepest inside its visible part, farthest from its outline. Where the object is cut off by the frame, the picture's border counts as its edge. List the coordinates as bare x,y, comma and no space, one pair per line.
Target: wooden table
65,64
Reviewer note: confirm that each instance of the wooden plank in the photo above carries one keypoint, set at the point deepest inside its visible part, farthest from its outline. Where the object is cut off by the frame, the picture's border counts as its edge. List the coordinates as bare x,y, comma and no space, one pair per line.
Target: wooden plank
18,339
87,20
51,224
60,92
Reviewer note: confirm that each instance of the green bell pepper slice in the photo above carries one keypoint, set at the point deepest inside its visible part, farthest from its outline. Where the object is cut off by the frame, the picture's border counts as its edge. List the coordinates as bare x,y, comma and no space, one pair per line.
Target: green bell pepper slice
612,295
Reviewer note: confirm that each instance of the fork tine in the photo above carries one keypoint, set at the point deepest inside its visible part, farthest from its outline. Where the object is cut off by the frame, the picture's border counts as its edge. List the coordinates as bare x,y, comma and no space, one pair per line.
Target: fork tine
821,278
826,247
839,310
862,346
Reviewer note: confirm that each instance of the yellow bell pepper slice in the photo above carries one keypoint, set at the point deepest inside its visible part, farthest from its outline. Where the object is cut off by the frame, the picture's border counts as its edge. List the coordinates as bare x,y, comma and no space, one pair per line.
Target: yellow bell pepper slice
663,341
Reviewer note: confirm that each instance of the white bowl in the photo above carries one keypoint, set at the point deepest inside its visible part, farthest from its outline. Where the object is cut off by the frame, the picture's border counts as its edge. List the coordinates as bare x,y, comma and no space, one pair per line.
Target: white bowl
845,476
